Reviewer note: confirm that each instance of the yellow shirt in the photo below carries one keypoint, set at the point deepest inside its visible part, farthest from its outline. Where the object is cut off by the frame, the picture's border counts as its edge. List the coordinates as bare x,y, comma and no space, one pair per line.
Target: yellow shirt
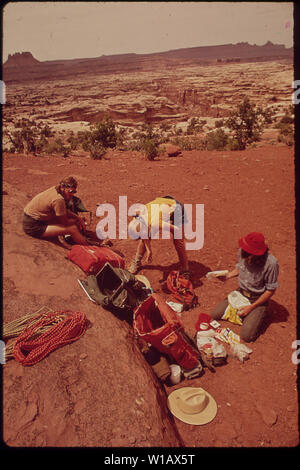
159,210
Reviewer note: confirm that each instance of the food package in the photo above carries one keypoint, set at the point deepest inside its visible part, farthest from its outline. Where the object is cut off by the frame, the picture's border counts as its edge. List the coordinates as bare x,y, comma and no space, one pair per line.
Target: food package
227,335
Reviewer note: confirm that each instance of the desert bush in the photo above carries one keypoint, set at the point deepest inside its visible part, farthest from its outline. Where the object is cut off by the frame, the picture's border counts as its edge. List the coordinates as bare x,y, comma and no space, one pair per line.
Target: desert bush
219,123
164,127
73,141
83,139
286,134
247,123
195,126
23,139
104,133
46,131
150,148
121,137
29,137
148,141
232,143
97,151
287,119
58,147
101,136
189,143
217,140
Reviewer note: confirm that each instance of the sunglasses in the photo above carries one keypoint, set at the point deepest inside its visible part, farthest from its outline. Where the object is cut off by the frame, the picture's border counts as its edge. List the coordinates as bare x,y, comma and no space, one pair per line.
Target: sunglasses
72,191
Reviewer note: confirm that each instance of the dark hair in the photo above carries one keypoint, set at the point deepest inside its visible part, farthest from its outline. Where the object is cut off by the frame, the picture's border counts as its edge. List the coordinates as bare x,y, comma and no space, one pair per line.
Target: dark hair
68,182
259,260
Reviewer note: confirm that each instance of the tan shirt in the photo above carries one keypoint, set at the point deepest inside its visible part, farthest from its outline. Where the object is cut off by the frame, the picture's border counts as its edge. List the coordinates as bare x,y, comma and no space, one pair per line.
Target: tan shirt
46,205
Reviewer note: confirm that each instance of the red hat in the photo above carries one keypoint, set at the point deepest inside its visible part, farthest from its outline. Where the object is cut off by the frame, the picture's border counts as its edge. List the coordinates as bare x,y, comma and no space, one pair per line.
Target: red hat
253,243
205,319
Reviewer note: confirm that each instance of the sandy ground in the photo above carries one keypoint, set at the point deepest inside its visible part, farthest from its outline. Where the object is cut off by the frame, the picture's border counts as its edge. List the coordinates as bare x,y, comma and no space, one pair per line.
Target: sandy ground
242,192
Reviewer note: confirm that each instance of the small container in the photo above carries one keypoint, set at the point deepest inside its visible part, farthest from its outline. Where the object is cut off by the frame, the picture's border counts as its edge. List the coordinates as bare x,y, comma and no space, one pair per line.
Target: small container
175,373
208,351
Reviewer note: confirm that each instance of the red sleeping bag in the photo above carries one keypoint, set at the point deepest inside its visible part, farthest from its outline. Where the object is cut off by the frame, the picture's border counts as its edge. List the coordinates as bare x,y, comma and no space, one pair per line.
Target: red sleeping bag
92,258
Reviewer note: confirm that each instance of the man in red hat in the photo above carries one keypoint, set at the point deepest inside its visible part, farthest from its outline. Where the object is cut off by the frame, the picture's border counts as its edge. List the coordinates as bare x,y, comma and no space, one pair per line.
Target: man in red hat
257,272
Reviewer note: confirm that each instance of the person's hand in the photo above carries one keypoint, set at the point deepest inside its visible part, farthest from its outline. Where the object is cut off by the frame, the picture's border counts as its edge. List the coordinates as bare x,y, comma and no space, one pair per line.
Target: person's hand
242,312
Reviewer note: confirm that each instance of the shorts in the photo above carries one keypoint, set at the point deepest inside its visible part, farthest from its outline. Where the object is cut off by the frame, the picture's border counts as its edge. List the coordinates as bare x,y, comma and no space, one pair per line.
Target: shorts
32,227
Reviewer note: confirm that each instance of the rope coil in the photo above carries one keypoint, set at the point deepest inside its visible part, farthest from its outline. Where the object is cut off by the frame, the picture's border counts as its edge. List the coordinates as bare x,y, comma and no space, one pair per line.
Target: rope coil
51,331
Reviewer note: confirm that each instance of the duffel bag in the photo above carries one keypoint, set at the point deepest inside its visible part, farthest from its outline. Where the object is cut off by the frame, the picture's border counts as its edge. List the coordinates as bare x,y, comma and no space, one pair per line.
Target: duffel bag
156,323
115,288
182,290
92,258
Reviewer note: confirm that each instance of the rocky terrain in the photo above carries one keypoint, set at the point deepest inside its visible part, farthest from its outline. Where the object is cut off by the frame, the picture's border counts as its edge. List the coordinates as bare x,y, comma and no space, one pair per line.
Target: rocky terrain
158,93
100,391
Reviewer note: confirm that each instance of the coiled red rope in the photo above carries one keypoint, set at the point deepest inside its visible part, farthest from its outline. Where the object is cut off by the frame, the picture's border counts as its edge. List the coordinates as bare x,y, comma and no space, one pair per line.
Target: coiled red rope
39,340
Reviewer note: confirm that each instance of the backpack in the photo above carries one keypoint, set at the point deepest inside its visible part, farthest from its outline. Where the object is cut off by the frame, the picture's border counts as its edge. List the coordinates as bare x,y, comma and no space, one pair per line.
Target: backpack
156,323
182,290
92,258
115,289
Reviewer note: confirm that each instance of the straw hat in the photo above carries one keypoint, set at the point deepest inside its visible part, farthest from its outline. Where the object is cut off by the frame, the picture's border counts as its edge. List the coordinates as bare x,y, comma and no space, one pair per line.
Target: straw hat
192,405
144,280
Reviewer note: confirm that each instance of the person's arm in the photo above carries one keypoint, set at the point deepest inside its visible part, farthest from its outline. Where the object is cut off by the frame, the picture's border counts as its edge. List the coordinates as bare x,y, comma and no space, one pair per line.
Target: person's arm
233,273
68,217
261,300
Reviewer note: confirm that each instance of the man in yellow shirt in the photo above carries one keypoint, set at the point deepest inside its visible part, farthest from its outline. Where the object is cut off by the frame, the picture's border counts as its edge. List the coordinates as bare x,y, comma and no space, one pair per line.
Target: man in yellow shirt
163,214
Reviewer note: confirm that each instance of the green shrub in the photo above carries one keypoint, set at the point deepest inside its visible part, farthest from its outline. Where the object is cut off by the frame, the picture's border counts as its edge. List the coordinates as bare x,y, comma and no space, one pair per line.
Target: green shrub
233,144
101,136
217,140
97,151
104,133
286,134
195,126
247,123
285,129
150,148
287,119
58,147
189,143
219,123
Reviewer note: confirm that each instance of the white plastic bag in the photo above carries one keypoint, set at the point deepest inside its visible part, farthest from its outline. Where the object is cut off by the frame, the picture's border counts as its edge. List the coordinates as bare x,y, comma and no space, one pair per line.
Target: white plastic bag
241,351
237,300
218,350
205,338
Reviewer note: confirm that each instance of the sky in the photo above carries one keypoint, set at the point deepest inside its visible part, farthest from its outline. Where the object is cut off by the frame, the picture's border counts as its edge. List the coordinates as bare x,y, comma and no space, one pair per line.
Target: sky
70,30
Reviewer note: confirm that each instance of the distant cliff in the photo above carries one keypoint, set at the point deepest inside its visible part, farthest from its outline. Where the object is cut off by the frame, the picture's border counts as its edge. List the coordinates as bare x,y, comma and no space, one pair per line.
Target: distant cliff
32,69
241,50
21,59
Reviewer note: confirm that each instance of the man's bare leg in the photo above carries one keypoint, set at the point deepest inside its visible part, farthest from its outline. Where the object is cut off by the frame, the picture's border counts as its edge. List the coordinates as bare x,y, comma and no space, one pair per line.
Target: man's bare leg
56,230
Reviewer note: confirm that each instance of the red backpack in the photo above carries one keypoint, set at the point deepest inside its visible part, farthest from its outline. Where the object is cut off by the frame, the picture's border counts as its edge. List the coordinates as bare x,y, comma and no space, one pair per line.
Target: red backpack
182,290
92,258
156,323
